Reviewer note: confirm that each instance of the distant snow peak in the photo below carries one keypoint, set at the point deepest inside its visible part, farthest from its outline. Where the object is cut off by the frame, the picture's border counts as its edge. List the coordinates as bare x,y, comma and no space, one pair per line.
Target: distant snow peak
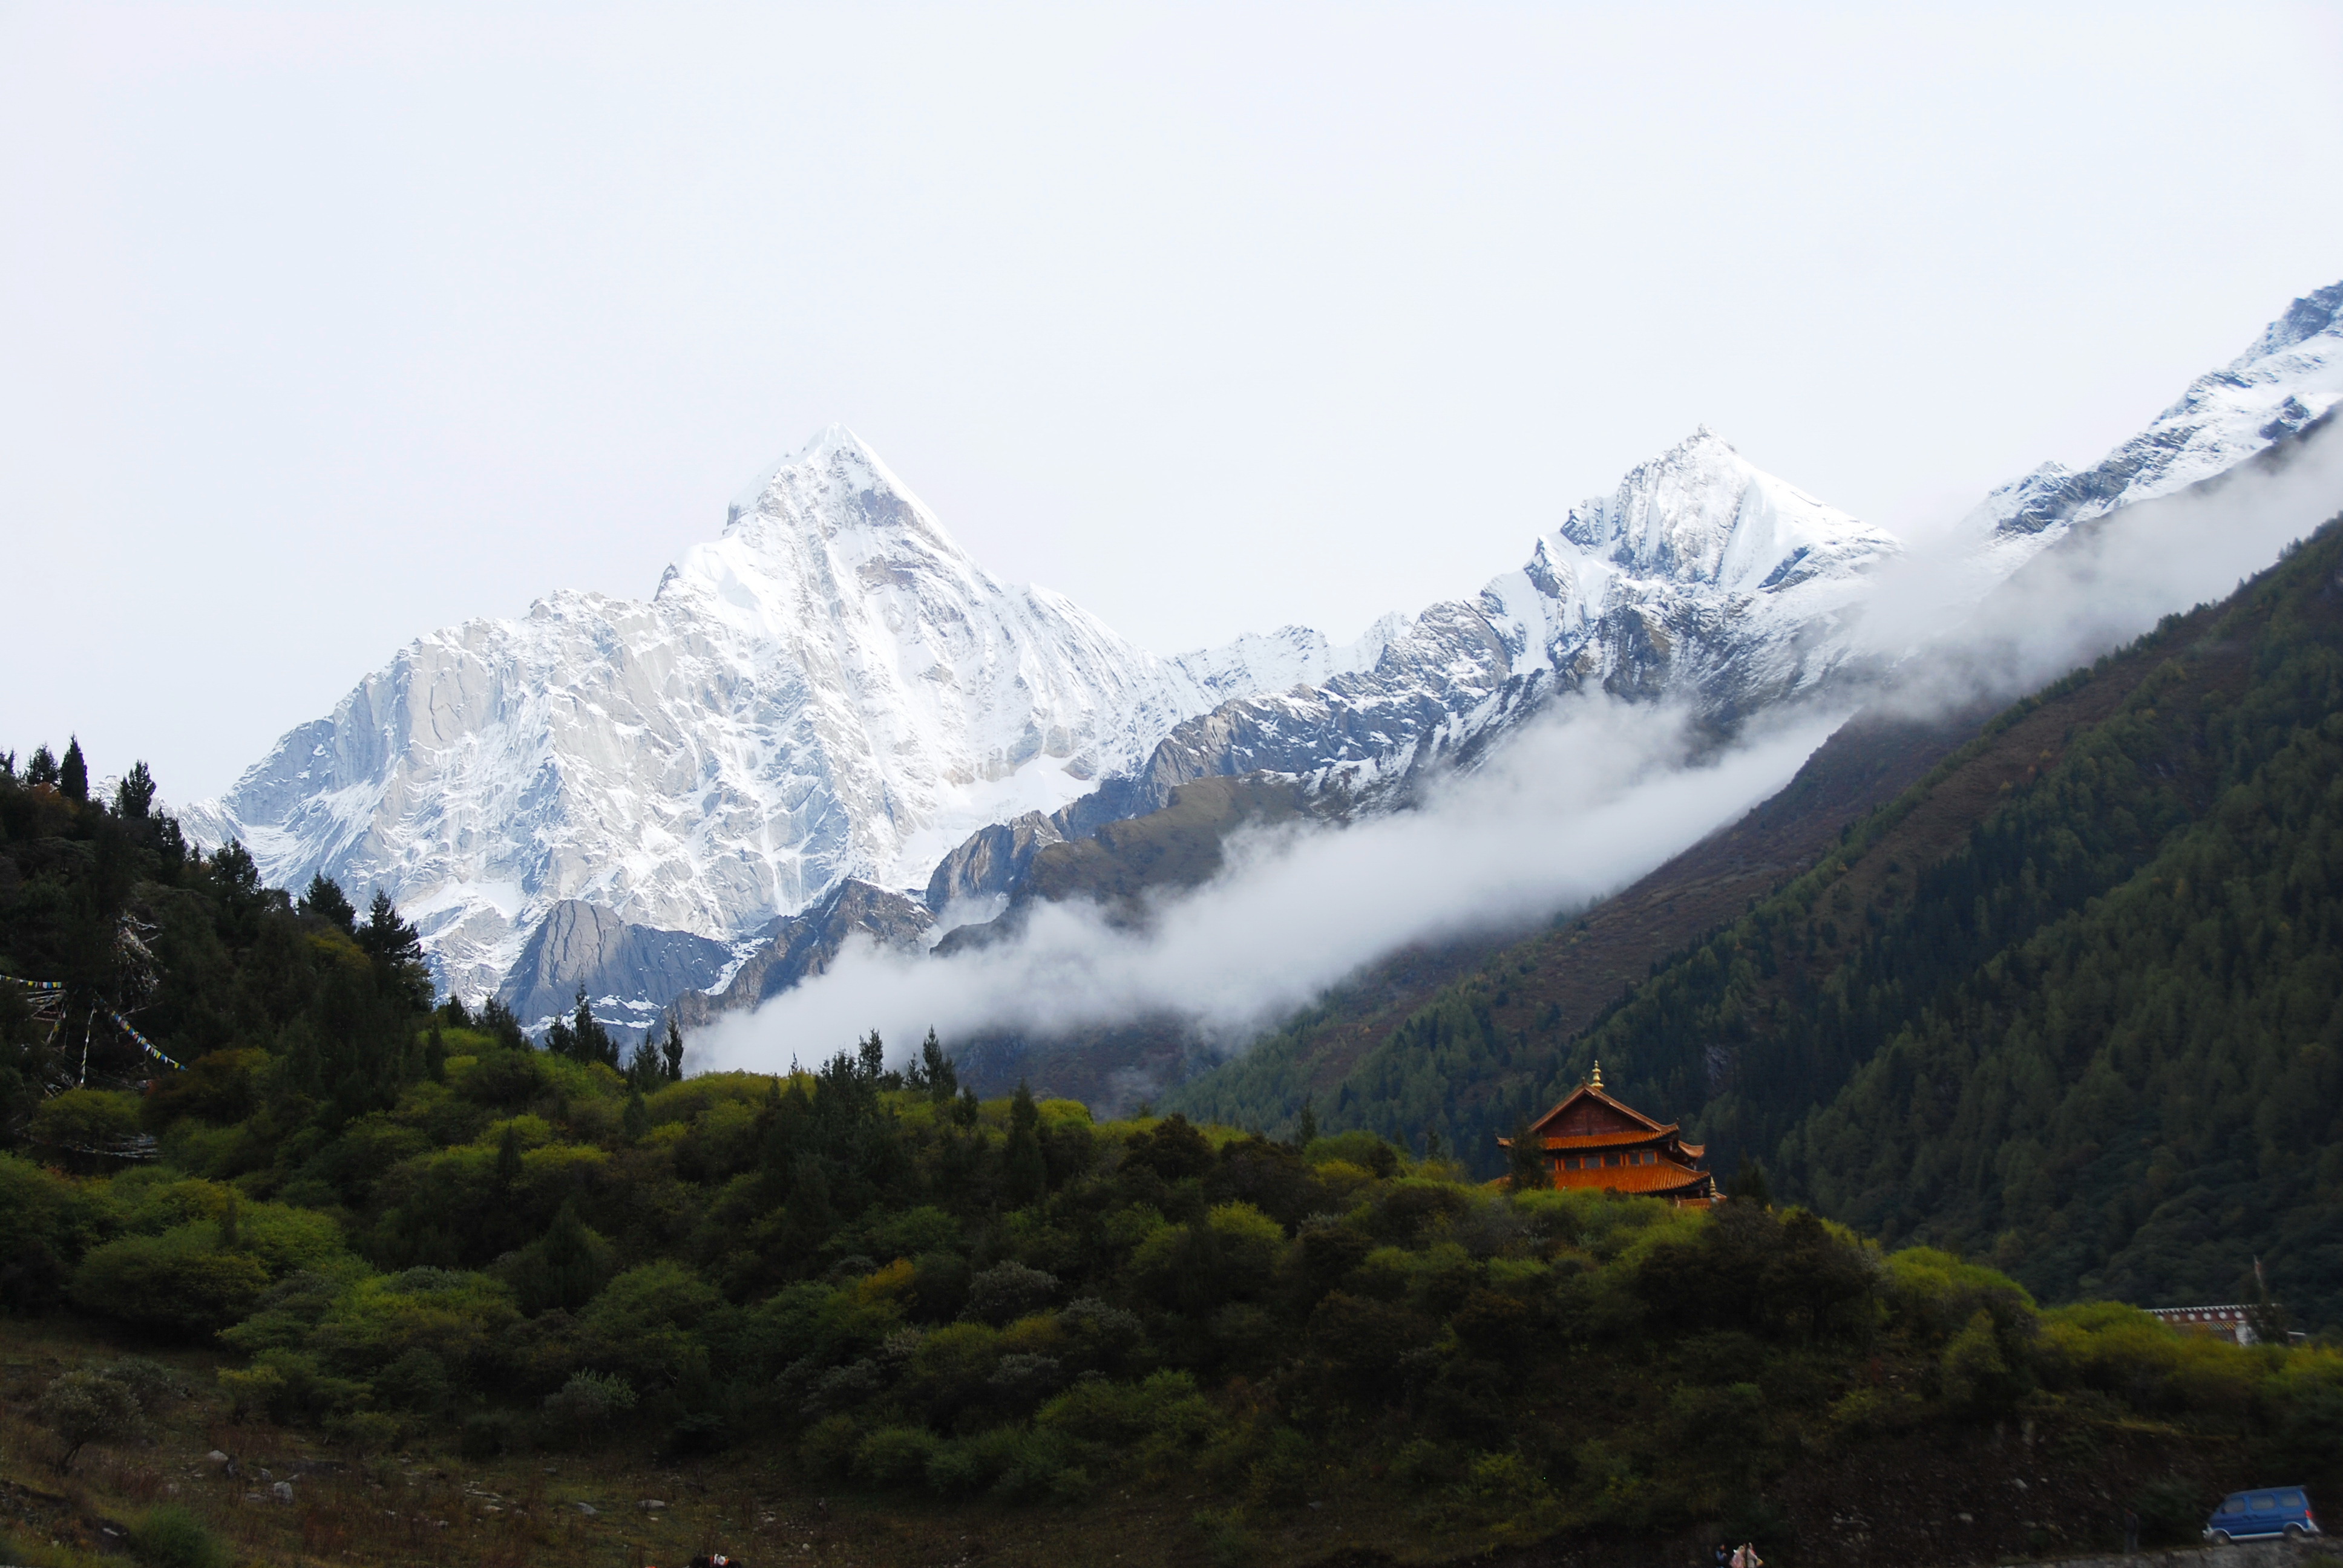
2290,376
832,688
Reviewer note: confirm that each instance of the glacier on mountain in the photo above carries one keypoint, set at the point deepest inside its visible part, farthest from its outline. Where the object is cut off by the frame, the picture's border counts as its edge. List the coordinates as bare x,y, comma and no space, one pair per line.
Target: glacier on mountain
832,693
830,690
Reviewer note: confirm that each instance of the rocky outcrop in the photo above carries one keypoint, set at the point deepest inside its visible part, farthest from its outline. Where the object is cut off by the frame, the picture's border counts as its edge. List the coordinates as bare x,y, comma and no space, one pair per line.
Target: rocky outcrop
992,863
806,944
618,966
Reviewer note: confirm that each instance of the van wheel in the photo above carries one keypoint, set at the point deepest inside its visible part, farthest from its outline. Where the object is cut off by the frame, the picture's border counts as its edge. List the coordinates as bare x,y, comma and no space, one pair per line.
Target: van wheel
2294,1532
2220,1538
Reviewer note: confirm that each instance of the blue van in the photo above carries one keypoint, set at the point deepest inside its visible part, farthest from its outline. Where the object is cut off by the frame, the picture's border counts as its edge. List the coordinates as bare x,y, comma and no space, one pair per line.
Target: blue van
2253,1515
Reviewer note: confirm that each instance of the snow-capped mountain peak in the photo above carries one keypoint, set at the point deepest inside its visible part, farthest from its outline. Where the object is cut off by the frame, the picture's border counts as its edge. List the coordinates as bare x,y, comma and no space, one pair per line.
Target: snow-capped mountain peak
2291,375
830,689
1702,513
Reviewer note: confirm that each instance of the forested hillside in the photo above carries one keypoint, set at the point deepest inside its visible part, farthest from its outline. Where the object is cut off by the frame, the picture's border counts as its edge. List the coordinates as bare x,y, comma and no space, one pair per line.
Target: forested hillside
375,1227
2072,1002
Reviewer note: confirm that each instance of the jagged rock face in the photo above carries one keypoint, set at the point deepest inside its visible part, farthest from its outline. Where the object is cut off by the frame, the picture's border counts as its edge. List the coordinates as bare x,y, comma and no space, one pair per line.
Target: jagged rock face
992,861
2287,378
806,944
831,690
620,966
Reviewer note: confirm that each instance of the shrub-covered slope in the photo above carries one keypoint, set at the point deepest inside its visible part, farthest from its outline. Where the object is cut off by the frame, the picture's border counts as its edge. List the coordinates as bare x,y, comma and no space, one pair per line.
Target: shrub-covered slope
409,1230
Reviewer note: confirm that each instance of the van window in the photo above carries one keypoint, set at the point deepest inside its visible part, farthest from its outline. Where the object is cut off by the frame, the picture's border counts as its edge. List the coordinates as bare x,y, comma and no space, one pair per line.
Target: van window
2265,1503
2233,1505
2292,1500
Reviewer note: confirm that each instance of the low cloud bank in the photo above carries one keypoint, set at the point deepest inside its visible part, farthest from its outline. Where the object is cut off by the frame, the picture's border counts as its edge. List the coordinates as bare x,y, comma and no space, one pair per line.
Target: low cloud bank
1580,803
2106,582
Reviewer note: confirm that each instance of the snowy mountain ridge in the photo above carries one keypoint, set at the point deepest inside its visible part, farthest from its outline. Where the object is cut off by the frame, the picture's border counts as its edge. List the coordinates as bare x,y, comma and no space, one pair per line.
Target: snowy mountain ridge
831,689
2287,378
1700,577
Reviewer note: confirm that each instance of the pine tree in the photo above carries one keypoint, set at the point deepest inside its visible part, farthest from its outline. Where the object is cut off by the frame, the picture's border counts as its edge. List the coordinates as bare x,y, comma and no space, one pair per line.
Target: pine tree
1024,1173
644,1073
396,949
134,796
41,768
1305,1126
934,1071
1749,1182
636,1120
498,1020
73,773
324,900
1524,1162
673,1051
583,1038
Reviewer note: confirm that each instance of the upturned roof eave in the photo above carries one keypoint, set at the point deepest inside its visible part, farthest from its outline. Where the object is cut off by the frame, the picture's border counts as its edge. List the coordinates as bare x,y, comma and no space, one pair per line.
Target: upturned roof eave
1590,1091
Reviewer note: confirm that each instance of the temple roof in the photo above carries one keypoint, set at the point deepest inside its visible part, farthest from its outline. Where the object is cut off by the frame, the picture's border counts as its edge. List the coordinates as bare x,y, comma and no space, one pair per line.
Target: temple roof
1619,1140
1663,1177
1594,1114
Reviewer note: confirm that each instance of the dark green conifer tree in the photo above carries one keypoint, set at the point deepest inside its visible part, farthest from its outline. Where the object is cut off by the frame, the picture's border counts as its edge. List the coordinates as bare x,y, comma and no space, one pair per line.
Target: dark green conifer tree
1524,1162
324,900
134,796
1305,1126
583,1038
1749,1182
933,1071
498,1020
673,1053
1024,1172
396,949
73,773
41,768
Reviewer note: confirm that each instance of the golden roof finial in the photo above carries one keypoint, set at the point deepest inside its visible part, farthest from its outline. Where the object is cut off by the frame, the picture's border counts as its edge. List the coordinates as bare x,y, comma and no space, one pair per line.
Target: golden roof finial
1597,1081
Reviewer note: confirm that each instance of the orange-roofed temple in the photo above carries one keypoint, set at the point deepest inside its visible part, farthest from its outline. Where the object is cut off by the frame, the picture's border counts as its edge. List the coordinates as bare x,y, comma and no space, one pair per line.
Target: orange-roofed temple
1590,1140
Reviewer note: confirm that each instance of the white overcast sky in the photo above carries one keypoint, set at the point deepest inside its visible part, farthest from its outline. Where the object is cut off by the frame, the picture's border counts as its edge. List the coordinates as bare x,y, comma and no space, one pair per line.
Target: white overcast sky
324,326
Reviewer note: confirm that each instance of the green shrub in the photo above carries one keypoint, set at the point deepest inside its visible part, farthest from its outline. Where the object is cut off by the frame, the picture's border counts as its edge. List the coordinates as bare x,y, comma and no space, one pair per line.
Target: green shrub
641,1324
1283,1471
829,1445
488,1433
86,1406
179,1284
588,1399
45,1223
290,1386
1363,1150
967,1465
171,1537
85,1119
895,1456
